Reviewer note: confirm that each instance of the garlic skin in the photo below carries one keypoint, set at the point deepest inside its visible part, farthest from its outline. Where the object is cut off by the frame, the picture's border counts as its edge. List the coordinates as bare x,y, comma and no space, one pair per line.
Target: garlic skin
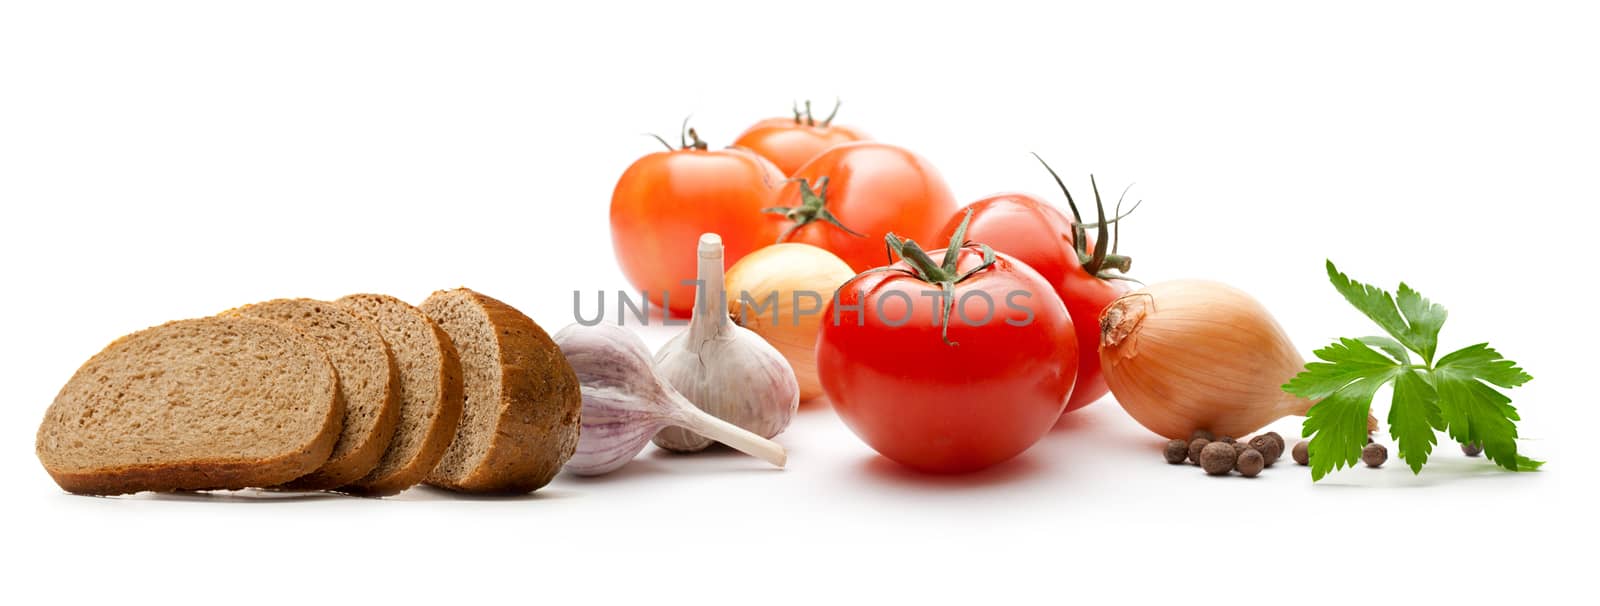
724,369
785,269
1192,354
625,402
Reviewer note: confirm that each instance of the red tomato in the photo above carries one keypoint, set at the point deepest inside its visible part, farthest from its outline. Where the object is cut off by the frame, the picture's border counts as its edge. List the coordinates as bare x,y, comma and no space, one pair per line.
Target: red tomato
871,189
666,200
790,142
1037,234
983,397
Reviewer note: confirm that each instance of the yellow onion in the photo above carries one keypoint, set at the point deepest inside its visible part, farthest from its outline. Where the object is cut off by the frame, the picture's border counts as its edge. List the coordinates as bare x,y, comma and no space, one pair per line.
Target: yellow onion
781,292
1191,354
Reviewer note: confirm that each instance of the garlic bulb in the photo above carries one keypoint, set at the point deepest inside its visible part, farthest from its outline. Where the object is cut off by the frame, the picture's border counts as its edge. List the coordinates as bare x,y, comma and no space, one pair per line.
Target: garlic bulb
1191,354
726,370
625,403
780,292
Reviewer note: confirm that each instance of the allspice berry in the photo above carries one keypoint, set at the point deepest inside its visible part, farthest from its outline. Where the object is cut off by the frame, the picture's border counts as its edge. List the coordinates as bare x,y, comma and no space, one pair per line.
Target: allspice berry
1177,451
1302,454
1374,455
1270,445
1195,446
1226,439
1250,462
1238,447
1472,449
1201,434
1217,458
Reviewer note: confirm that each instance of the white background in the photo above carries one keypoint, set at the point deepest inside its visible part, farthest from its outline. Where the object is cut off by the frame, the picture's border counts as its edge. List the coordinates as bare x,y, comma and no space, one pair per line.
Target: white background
161,160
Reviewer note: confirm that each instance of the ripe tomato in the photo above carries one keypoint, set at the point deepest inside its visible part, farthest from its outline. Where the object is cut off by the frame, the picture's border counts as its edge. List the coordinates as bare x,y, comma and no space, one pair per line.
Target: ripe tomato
666,200
1037,234
863,191
790,142
988,393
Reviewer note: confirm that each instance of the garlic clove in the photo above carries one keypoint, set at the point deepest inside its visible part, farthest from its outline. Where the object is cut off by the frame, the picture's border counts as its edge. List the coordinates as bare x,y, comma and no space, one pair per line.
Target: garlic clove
625,403
726,370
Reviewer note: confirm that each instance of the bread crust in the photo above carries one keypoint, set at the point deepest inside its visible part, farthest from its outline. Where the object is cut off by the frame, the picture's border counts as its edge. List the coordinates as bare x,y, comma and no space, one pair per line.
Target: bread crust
201,474
209,473
536,430
439,433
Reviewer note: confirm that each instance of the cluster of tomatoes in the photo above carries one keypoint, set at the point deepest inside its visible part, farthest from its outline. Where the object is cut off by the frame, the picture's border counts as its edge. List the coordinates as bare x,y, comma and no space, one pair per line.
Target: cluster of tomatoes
957,356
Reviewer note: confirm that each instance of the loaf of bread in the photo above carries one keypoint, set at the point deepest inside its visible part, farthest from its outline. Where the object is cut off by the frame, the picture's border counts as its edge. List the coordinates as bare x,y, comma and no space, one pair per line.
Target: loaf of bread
212,403
520,424
430,393
366,395
368,382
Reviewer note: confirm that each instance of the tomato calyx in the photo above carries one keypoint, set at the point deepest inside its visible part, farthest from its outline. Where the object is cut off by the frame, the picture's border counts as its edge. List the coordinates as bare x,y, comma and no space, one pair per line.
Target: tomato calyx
687,139
807,119
944,275
1100,262
813,207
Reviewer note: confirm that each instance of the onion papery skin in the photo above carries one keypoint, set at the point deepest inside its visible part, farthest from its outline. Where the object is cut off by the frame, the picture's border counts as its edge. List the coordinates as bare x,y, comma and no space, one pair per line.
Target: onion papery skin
786,269
1193,354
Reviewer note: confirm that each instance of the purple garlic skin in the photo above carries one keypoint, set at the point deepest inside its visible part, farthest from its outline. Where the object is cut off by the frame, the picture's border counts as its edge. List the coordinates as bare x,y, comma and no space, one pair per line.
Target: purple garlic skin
624,403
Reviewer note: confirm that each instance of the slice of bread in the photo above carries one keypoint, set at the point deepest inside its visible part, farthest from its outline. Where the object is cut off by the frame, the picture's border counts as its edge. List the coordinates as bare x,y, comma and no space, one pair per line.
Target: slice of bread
368,381
211,403
430,393
520,424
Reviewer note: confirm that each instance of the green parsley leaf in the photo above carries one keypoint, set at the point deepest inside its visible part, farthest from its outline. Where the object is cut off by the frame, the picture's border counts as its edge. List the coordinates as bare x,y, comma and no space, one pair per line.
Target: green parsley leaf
1413,415
1415,321
1425,318
1339,425
1477,413
1345,383
1389,346
1348,361
1485,363
1456,395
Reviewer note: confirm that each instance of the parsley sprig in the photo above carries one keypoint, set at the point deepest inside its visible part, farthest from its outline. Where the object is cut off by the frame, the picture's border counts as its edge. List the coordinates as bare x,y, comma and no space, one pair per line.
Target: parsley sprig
1455,394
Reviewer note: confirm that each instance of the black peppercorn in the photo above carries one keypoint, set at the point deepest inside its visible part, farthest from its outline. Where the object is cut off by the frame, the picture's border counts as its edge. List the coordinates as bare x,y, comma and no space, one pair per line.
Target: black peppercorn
1177,451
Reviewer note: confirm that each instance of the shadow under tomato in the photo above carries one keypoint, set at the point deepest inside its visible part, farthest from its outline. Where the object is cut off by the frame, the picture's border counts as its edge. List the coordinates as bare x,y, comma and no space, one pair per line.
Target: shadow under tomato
1018,469
1076,420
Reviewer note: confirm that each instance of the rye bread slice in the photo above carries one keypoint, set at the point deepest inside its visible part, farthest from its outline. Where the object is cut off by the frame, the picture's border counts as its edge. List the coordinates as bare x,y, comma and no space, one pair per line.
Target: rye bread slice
210,403
430,393
520,424
368,380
